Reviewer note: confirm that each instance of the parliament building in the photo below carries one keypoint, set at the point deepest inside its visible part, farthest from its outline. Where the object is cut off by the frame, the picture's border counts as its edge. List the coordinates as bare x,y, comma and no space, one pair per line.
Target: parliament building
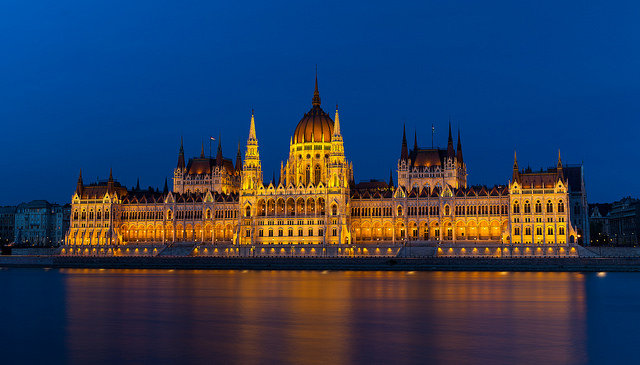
220,207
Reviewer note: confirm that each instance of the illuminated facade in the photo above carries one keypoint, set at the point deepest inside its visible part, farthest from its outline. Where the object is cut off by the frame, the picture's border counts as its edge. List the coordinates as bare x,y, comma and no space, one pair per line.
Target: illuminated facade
316,202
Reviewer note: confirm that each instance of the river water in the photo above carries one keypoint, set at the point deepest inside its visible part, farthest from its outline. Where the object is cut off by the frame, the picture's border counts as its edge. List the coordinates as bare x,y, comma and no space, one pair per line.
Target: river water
316,317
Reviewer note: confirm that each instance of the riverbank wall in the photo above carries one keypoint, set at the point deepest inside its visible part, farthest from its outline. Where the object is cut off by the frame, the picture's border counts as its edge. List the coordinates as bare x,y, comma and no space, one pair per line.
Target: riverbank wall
573,264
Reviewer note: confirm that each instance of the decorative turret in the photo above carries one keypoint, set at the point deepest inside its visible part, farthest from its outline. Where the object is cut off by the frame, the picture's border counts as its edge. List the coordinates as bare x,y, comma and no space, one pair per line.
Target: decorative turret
391,178
80,186
181,163
166,187
459,150
450,152
252,169
316,94
404,153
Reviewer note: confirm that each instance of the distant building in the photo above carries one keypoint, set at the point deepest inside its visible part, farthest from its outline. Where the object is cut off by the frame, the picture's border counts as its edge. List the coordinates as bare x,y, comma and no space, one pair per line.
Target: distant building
624,221
7,224
599,224
40,223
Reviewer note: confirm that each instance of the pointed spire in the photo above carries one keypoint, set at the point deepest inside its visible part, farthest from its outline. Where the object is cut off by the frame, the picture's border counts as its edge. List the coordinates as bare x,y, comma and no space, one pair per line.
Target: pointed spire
316,95
110,181
404,154
181,156
336,126
166,186
219,153
560,174
415,140
273,179
80,185
450,152
459,150
238,159
202,150
138,184
516,173
252,128
391,178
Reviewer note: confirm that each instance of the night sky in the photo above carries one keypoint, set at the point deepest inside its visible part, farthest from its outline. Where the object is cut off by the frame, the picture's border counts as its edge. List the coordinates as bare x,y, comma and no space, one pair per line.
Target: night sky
97,84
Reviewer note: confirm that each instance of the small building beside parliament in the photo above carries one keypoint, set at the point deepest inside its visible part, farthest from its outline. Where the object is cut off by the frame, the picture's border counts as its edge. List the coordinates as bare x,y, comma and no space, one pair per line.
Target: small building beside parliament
222,207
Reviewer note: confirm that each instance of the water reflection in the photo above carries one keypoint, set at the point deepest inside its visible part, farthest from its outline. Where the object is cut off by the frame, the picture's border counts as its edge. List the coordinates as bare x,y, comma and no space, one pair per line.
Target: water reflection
251,317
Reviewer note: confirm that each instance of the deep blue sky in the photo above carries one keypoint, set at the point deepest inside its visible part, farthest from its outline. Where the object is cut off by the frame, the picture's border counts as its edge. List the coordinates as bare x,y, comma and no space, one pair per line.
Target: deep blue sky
100,84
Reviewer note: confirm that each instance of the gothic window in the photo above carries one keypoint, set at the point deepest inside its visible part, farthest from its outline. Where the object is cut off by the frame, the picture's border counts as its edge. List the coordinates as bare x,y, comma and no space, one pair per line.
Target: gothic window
539,231
316,175
550,231
99,214
280,232
516,231
261,233
527,207
307,175
561,231
270,232
208,214
399,210
334,232
248,211
560,206
75,214
538,206
310,232
446,210
290,233
527,231
334,209
91,214
549,206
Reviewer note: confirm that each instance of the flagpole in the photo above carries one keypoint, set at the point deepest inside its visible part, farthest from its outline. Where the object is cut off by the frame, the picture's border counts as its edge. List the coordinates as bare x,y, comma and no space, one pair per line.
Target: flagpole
433,129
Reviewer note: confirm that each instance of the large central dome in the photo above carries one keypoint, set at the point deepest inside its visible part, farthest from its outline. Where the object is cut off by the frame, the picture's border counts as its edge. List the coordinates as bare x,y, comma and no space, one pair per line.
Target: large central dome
315,125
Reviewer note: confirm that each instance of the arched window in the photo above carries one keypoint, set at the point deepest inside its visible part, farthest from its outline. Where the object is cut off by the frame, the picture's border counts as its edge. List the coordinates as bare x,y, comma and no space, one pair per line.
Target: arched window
516,207
75,214
527,207
316,175
399,210
208,213
560,206
538,206
549,206
169,215
248,211
550,231
91,214
334,209
307,175
446,210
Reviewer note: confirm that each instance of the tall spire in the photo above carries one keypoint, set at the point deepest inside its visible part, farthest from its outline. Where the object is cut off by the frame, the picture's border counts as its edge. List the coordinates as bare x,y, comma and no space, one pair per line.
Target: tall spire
560,174
138,184
404,154
459,149
316,95
80,185
516,173
336,126
110,181
202,150
415,140
219,153
238,159
252,128
391,178
166,186
181,156
450,152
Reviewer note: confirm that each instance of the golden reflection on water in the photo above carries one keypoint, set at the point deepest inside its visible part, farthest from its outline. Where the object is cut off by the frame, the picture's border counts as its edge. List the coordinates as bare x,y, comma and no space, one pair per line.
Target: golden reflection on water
296,317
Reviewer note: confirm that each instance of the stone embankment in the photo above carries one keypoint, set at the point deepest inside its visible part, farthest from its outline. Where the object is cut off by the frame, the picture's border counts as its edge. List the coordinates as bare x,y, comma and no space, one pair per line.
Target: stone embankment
578,264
